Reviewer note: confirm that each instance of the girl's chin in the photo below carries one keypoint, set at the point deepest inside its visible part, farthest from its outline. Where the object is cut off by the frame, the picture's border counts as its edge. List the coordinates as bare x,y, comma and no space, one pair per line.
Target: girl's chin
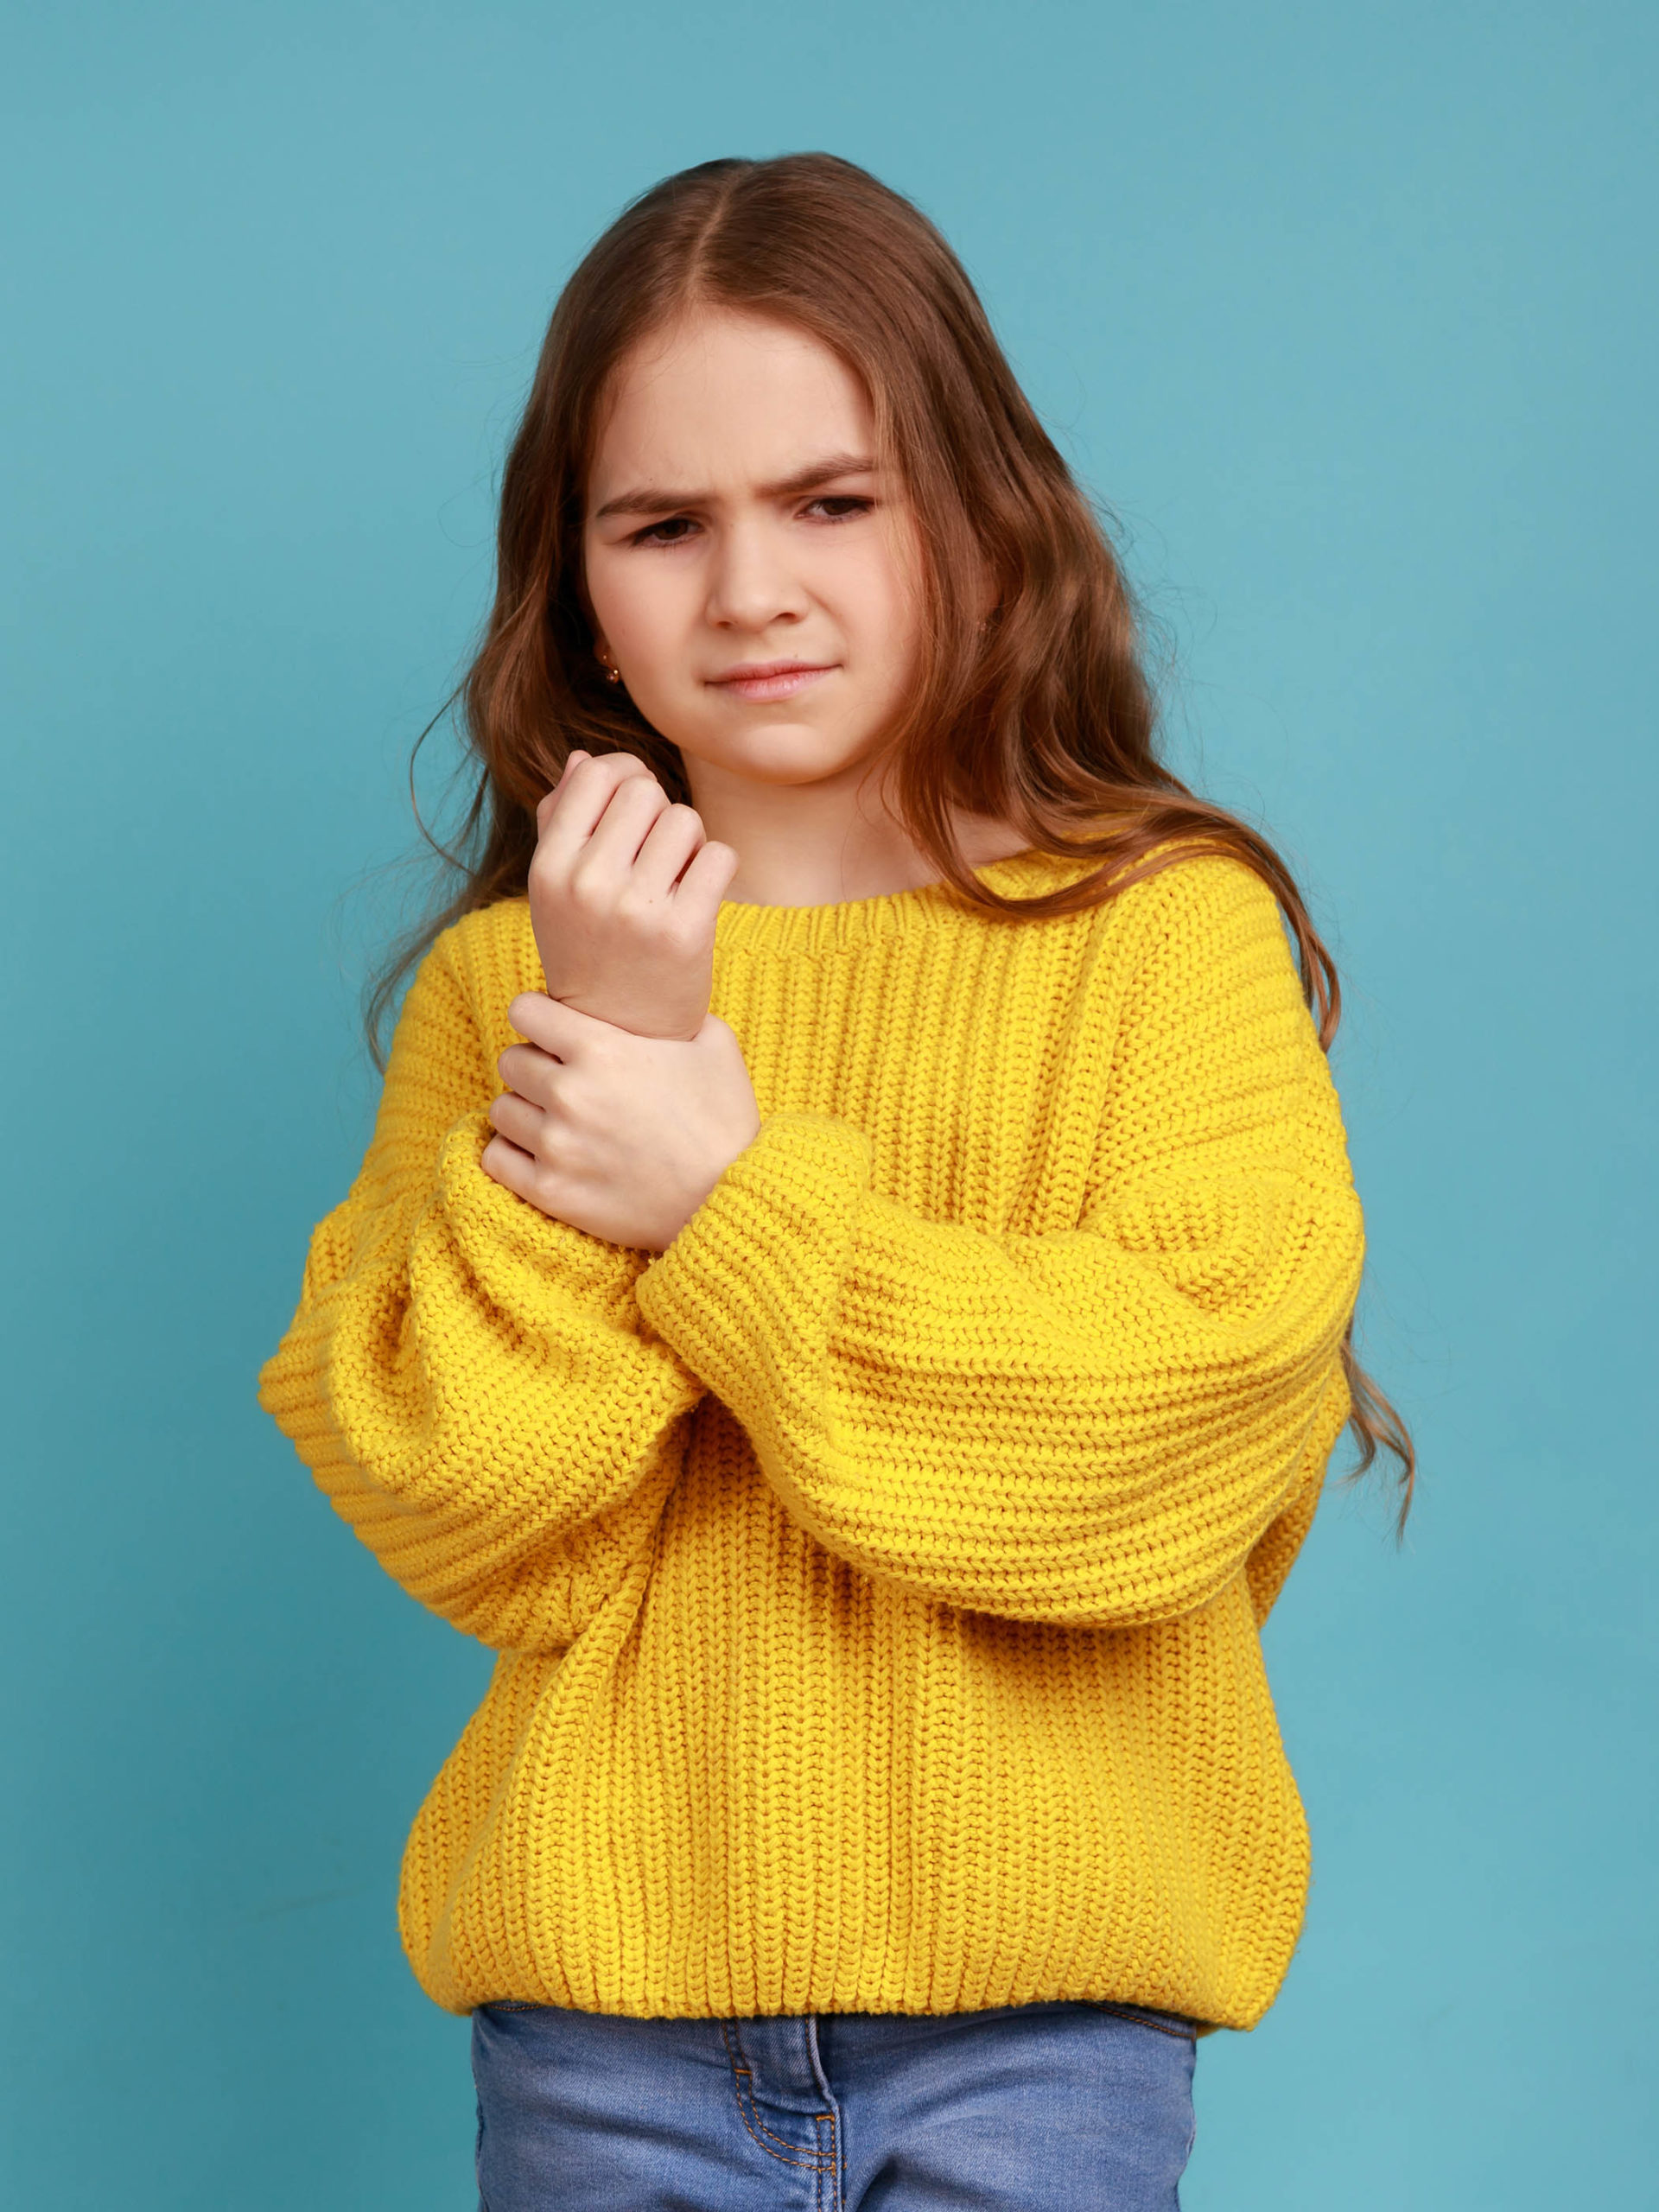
777,748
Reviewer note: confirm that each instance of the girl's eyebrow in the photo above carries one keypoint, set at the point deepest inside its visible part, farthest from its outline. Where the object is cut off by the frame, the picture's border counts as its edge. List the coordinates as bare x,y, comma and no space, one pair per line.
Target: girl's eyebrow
651,499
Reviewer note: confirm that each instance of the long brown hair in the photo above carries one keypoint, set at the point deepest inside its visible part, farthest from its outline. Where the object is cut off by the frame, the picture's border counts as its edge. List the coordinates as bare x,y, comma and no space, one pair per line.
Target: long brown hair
1043,718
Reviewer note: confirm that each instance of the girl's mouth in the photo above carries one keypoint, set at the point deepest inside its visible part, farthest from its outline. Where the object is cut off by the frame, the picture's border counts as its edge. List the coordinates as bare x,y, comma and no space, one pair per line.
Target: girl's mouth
772,679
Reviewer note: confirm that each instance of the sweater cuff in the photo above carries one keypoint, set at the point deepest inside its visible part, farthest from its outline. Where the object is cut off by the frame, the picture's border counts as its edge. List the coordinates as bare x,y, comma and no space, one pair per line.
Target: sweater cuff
748,1290
517,1254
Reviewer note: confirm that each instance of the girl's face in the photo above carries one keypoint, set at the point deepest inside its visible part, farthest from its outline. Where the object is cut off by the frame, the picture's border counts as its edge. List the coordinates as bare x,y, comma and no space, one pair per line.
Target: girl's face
753,575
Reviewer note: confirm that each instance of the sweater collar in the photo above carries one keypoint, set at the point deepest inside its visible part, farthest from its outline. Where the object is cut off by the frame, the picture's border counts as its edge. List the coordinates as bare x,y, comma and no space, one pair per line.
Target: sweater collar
743,928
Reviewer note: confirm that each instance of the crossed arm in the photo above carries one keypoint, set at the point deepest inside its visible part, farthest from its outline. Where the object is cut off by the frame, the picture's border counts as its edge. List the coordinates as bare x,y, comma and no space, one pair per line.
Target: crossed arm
1099,1426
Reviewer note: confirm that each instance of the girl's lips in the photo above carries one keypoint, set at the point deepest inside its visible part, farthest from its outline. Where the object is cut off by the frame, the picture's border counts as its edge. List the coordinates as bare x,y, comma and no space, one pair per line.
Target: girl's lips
772,680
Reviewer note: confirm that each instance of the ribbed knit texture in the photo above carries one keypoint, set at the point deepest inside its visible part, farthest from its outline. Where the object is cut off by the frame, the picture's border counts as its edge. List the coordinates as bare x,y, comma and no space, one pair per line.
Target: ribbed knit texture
876,1573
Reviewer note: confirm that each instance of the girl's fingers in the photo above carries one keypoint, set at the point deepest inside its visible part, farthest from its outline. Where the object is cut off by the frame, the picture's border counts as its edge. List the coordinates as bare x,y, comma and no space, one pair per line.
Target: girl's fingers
672,840
634,807
561,1032
545,804
503,1163
530,1071
582,794
705,881
521,1122
517,1171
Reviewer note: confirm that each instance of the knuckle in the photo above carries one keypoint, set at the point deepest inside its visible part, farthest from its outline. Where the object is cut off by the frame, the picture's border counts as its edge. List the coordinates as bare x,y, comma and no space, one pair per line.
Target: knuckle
618,767
588,888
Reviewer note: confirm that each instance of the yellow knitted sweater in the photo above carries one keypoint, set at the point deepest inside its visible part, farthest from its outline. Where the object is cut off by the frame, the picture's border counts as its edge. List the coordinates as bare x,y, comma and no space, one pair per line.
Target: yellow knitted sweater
876,1572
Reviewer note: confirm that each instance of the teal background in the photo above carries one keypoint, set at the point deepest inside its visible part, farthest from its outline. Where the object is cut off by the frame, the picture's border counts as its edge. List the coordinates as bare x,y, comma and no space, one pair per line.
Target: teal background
1348,311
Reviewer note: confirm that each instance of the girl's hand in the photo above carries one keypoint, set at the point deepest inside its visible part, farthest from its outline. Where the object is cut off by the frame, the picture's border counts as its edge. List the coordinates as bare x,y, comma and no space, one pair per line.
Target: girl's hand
623,893
621,1135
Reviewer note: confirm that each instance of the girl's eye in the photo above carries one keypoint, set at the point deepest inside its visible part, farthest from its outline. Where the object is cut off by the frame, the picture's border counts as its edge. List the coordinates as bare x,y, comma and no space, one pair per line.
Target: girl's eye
664,533
828,507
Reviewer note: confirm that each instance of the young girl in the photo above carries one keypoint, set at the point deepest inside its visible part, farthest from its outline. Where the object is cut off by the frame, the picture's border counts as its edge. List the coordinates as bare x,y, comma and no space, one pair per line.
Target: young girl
850,1291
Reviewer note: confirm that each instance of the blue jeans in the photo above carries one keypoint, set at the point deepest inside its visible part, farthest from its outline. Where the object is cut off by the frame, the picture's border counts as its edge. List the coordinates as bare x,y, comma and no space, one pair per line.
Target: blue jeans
1050,2107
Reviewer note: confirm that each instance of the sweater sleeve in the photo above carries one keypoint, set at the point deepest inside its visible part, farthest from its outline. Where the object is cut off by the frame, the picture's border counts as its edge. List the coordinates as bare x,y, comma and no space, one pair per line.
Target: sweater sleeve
470,1382
1091,1427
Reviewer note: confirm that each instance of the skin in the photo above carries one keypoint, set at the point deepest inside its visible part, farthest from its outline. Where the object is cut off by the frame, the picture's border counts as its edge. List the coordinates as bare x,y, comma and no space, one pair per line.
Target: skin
736,520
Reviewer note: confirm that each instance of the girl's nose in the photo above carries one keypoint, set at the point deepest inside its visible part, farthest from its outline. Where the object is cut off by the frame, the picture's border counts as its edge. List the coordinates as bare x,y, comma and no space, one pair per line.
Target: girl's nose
752,582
